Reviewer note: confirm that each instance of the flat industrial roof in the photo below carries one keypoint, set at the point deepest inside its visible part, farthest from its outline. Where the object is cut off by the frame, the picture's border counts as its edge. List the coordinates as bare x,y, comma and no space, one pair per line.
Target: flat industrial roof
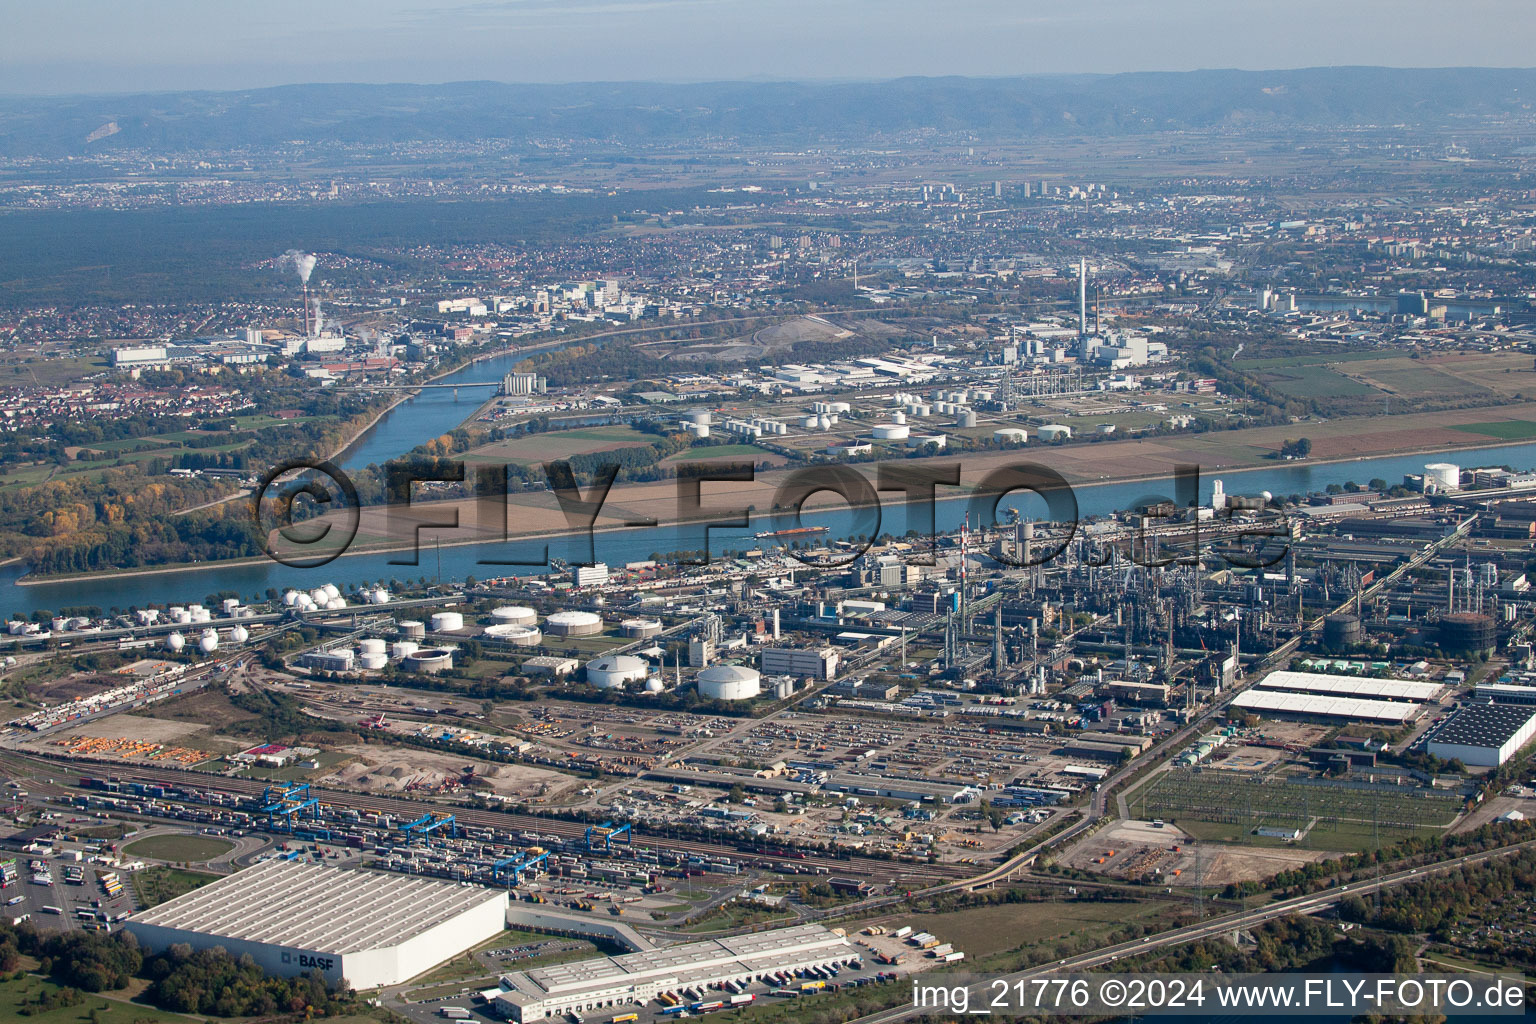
1330,707
1483,725
737,955
1350,686
318,907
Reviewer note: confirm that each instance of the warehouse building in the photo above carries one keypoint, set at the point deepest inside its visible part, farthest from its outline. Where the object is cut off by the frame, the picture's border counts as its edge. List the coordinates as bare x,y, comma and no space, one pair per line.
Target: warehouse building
1483,735
1351,686
636,978
1319,708
359,927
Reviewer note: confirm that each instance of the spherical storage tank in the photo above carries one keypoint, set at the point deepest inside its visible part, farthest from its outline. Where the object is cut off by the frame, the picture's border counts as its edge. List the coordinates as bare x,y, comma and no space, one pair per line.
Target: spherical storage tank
240,634
512,633
446,622
429,660
730,682
614,670
574,624
891,431
175,642
208,642
641,628
514,614
654,685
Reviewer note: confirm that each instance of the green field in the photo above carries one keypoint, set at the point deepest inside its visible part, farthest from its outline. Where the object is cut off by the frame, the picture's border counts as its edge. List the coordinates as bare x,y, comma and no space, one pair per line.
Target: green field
1218,807
161,885
1508,430
93,1009
1314,381
1316,359
716,451
179,847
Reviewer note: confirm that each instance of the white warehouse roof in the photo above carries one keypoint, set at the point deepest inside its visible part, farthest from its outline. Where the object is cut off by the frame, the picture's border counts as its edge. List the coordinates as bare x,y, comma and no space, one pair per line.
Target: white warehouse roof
1396,712
318,907
1351,686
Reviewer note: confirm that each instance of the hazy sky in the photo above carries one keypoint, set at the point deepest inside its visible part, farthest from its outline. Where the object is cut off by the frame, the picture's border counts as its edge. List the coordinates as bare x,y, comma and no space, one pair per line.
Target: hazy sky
66,46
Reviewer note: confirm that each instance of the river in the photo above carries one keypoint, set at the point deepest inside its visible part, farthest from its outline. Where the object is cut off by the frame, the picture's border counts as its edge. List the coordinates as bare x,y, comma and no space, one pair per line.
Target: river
251,581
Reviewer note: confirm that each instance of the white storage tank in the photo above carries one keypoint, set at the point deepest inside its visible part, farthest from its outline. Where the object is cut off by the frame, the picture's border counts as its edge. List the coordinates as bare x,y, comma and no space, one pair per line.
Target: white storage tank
1443,476
429,660
336,604
1052,431
372,645
413,630
898,417
1010,435
891,431
230,605
208,642
290,598
655,685
379,596
613,671
809,422
641,628
239,634
574,623
512,633
514,614
332,592
402,649
372,662
447,622
966,418
175,642
730,682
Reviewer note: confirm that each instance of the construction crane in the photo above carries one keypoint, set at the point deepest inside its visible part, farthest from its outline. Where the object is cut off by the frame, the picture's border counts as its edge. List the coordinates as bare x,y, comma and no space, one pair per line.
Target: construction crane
607,834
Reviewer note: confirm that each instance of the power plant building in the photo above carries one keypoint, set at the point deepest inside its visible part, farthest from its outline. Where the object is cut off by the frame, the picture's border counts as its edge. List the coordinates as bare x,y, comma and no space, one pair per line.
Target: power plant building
800,663
359,927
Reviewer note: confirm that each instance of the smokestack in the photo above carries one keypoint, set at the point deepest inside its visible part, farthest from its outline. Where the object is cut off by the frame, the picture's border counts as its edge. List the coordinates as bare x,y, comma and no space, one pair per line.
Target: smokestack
1082,298
775,623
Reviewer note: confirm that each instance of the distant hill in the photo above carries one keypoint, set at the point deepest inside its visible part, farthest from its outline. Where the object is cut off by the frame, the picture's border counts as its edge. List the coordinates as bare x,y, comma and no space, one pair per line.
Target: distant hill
631,113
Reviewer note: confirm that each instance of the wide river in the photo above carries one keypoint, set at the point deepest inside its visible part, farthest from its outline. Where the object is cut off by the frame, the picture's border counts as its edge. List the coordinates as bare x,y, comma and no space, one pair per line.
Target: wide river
435,411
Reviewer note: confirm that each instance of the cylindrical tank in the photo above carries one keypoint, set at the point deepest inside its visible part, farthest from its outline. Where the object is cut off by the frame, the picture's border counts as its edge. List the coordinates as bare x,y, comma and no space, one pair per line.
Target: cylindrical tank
729,682
447,622
429,661
612,671
967,419
372,645
1341,631
511,632
175,642
403,649
372,662
413,630
514,614
891,431
898,417
640,628
1466,632
573,623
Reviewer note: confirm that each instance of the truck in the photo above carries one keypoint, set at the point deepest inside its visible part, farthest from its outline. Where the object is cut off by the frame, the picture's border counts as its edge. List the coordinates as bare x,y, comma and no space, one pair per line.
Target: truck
453,1013
955,957
903,931
742,999
943,949
812,986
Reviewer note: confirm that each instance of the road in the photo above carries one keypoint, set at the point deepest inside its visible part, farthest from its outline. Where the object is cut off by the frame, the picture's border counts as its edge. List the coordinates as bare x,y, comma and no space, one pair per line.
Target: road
1309,904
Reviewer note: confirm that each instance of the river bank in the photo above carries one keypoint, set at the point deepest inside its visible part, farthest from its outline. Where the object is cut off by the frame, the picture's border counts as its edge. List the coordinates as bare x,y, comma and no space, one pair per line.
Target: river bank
628,502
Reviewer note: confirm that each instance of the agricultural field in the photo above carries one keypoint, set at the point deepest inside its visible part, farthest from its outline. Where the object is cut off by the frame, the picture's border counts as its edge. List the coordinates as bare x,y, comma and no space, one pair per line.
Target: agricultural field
558,444
1504,430
1314,381
21,995
1218,806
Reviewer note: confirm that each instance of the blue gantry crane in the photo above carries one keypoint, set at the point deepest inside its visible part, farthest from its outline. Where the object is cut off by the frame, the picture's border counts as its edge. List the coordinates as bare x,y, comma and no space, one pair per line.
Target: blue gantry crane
607,834
288,804
515,865
425,825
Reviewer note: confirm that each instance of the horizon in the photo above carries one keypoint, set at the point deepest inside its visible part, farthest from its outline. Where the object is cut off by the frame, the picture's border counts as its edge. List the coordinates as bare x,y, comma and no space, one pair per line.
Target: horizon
762,80
91,47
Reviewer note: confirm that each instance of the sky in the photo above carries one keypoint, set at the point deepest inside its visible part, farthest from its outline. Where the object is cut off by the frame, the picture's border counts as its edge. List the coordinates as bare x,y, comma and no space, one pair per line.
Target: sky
94,46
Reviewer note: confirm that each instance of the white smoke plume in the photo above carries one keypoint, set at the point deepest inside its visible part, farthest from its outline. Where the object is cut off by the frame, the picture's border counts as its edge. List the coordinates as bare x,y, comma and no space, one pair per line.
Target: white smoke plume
303,262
